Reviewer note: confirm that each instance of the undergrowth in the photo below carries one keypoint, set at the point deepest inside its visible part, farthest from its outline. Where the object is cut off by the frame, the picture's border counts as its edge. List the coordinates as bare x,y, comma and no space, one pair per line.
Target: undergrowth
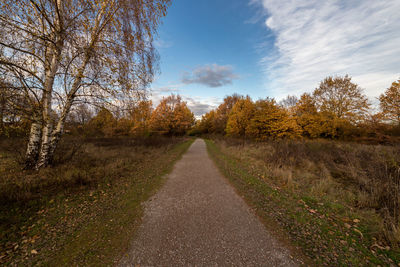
83,210
338,201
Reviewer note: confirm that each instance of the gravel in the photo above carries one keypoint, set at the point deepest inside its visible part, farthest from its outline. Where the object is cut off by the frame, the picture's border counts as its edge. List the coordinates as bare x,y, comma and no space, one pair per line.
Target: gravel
197,219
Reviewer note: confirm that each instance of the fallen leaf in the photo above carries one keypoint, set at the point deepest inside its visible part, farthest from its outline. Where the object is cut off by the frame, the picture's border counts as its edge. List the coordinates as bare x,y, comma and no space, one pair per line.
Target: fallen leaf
359,232
33,251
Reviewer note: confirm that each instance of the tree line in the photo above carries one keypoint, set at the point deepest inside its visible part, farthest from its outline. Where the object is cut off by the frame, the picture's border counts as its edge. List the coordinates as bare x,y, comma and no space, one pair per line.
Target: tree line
171,117
337,109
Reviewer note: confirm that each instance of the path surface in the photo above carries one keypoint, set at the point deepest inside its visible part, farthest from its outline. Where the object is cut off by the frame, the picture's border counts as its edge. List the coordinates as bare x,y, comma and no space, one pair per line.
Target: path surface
197,219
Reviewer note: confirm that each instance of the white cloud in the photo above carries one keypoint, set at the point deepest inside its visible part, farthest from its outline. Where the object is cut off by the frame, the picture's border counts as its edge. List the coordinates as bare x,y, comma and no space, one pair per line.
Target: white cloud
314,39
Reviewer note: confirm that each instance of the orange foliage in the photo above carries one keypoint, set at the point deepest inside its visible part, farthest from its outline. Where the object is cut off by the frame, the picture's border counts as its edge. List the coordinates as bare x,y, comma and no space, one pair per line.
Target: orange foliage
171,117
140,116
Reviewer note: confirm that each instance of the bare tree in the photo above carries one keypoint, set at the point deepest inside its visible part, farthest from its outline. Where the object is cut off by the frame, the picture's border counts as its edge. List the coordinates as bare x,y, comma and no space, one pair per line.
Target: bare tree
289,102
56,52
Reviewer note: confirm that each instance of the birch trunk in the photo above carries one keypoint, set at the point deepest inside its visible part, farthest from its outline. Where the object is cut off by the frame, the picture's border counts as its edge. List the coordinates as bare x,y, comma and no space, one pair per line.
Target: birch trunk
48,149
44,159
50,139
32,151
2,108
54,58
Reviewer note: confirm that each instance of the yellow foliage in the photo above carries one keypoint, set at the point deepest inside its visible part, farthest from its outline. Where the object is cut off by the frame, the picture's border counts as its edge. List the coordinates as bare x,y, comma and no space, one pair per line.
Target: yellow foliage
314,124
341,98
272,121
239,117
140,116
222,113
390,102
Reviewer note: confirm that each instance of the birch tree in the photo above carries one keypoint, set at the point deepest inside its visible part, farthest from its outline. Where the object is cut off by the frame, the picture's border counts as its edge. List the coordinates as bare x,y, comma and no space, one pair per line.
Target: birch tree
59,52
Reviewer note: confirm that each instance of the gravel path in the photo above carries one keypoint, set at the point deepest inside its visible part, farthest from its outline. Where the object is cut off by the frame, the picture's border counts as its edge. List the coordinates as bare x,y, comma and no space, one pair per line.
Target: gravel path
197,219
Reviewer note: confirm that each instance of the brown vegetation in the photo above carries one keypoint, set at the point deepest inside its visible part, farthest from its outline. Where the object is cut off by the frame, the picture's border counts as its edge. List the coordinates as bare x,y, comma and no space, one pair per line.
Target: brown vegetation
83,211
334,198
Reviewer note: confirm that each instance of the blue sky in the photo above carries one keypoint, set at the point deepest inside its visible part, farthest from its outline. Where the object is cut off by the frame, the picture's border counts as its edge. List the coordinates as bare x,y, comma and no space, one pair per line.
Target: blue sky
213,48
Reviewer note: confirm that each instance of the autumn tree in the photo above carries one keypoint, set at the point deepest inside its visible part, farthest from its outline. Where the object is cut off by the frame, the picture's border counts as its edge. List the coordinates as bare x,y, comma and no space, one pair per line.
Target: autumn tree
222,113
390,103
239,117
207,123
271,120
289,102
171,117
101,125
312,122
342,98
58,51
139,115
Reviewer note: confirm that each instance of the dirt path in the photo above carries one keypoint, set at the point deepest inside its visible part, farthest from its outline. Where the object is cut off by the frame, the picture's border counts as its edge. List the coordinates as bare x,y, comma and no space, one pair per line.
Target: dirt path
197,219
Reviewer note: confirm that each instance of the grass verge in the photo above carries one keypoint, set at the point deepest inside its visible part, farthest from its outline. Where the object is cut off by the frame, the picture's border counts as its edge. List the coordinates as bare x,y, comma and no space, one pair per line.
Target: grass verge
90,214
327,231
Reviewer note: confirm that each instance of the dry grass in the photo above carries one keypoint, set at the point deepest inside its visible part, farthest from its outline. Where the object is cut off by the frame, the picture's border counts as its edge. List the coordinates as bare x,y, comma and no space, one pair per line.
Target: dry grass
338,201
363,177
83,210
78,164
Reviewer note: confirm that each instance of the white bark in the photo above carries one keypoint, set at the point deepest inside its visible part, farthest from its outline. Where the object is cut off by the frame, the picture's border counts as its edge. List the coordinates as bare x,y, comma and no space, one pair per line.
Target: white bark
54,58
51,138
32,150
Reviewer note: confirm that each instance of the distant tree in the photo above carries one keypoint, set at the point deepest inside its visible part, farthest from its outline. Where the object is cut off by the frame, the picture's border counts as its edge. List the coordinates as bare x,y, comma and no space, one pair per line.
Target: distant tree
289,102
206,124
239,117
272,121
101,125
171,117
222,113
140,115
313,123
390,103
13,110
82,114
342,98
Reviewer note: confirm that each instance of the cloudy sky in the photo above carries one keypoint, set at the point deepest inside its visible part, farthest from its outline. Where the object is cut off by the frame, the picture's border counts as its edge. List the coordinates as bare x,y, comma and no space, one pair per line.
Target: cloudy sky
213,48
